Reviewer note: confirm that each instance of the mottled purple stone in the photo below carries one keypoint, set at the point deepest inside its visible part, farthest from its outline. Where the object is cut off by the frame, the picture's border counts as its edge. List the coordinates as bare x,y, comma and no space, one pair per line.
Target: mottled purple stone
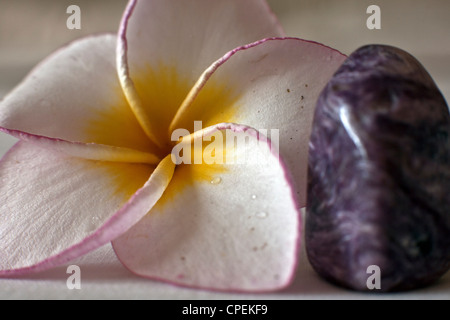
379,174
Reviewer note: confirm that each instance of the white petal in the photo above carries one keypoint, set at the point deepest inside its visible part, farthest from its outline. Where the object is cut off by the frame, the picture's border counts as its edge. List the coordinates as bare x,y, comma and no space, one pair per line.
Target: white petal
271,85
75,95
164,46
54,208
231,226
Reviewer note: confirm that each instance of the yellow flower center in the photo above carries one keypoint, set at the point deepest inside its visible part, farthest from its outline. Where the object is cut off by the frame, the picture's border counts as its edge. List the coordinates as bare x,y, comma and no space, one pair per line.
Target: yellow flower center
161,92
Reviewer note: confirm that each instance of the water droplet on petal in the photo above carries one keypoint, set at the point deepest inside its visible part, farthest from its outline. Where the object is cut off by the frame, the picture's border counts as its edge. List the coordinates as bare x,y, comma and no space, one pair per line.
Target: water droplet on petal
216,180
261,215
95,220
94,223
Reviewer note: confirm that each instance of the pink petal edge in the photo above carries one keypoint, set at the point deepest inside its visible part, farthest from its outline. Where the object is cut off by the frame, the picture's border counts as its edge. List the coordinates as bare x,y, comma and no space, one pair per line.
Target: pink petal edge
137,206
88,151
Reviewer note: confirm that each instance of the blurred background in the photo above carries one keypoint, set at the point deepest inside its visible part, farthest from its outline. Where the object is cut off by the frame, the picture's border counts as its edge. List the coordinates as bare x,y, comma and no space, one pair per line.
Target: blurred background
30,29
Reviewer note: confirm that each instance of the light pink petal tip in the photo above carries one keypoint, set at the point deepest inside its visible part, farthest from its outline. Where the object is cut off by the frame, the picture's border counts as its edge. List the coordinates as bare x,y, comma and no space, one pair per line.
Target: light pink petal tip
230,227
63,207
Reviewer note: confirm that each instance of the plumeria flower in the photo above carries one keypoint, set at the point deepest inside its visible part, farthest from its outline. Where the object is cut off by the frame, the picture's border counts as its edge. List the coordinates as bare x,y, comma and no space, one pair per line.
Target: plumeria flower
94,161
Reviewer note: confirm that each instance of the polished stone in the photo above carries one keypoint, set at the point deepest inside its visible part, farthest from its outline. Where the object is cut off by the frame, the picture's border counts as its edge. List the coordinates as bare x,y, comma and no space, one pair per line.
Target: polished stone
379,174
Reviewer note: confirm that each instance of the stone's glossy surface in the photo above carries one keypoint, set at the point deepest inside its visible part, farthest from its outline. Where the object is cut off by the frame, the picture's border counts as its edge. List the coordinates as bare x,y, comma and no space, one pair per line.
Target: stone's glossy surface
379,174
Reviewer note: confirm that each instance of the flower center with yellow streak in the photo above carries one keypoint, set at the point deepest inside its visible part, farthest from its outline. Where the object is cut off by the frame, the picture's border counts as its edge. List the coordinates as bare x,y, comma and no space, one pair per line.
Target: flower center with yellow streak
162,91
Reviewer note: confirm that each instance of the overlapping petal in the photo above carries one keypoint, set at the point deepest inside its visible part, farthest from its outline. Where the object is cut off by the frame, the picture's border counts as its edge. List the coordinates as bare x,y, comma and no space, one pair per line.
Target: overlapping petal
63,207
270,84
75,95
230,226
164,46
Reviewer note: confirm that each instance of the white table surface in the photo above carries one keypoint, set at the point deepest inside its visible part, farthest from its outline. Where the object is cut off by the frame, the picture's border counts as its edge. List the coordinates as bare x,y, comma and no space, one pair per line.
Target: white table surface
30,30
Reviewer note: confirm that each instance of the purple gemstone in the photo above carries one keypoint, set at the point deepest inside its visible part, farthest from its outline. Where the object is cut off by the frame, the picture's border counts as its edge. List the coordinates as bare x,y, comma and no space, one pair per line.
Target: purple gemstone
379,174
